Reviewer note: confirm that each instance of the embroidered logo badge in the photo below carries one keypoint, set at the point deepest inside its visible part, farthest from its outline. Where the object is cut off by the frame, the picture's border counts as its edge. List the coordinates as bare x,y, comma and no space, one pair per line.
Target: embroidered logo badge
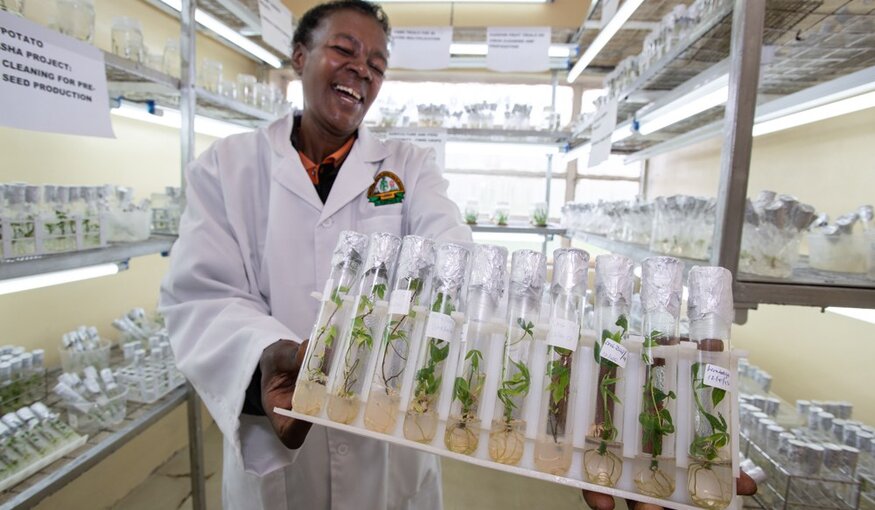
386,189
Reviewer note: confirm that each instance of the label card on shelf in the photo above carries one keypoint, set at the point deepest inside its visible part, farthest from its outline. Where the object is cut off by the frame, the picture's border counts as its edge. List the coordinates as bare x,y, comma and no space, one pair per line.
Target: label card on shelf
612,351
51,82
602,129
399,302
276,25
522,49
429,138
716,377
440,326
421,48
563,333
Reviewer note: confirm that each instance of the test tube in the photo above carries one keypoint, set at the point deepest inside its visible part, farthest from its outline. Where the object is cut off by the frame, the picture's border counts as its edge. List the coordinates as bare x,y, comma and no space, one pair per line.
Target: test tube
348,376
507,434
602,457
553,446
348,257
661,279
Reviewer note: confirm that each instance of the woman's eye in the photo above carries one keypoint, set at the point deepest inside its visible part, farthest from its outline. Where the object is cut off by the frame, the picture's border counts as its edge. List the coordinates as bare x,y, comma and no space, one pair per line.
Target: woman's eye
345,51
380,71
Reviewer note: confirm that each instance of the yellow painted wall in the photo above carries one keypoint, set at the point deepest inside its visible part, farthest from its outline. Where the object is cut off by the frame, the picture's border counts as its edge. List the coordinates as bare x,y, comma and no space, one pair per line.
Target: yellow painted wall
829,164
143,156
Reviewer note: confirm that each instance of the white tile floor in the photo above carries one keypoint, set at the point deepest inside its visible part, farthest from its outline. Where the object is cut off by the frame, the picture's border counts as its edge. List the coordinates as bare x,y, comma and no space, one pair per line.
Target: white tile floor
465,486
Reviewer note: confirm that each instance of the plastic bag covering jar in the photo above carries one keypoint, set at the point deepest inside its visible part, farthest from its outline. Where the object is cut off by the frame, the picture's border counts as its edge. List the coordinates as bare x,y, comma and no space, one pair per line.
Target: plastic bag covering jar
346,262
481,348
602,462
710,310
410,290
347,381
421,417
507,434
654,465
553,447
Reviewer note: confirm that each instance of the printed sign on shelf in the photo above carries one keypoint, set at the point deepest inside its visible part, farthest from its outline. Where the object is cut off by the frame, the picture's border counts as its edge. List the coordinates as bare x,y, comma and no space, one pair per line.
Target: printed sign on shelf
399,302
612,351
422,48
51,82
276,25
602,129
716,377
523,49
563,333
429,138
440,326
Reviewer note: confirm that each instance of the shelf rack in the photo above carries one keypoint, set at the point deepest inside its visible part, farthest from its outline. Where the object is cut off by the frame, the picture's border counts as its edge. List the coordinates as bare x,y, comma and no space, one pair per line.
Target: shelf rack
521,228
121,252
31,491
518,136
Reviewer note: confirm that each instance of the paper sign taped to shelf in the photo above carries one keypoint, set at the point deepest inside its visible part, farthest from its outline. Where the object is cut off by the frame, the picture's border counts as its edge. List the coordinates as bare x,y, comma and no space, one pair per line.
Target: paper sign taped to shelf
563,334
51,82
399,302
522,49
440,326
276,25
716,377
603,126
424,137
421,48
612,351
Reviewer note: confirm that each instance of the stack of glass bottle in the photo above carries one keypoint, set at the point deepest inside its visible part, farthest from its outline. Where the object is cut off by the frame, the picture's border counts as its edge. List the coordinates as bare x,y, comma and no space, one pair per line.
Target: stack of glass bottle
29,435
22,377
83,347
149,372
94,400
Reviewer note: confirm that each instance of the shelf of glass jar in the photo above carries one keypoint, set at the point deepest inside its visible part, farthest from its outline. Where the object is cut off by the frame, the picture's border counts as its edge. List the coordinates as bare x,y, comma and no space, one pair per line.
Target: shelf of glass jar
491,135
502,221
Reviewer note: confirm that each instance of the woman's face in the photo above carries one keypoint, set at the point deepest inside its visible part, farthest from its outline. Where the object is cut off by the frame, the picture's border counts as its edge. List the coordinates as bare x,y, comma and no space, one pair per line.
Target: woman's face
342,70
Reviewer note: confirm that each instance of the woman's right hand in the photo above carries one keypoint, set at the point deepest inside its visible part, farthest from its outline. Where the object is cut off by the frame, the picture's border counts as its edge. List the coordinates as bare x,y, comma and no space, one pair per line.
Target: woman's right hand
280,363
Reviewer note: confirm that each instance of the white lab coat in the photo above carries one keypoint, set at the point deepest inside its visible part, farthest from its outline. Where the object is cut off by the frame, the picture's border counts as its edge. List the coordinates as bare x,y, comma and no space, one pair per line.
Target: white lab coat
255,241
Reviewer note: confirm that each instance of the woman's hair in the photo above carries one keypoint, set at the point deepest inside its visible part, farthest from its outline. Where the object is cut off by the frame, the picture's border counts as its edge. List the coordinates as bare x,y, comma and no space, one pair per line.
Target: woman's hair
312,18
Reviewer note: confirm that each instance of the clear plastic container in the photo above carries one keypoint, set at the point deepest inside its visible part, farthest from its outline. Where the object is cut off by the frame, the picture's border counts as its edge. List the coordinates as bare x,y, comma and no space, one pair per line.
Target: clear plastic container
130,226
839,252
75,361
92,417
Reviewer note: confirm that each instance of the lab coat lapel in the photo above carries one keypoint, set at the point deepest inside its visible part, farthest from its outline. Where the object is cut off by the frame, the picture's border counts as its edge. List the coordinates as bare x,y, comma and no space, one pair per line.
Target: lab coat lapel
286,163
357,172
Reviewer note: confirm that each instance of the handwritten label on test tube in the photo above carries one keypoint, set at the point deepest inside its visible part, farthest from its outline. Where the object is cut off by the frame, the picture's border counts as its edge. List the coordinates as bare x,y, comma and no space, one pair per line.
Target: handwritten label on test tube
612,351
563,333
440,326
399,302
716,377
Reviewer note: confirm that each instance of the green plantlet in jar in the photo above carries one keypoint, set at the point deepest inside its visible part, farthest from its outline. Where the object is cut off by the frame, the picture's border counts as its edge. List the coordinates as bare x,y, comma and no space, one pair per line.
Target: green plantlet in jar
559,372
655,419
607,381
707,447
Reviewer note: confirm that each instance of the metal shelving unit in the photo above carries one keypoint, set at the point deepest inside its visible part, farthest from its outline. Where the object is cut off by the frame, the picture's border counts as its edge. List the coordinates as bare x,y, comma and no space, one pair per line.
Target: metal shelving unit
139,417
121,252
516,136
549,230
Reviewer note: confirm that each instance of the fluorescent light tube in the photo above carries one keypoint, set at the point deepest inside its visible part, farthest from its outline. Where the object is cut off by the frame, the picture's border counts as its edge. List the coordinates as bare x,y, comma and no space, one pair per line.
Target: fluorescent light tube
229,34
480,49
56,278
173,119
818,113
606,34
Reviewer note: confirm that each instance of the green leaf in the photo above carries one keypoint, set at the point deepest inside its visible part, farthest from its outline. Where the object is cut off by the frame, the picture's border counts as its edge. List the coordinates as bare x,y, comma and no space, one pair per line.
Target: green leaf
596,352
717,395
380,290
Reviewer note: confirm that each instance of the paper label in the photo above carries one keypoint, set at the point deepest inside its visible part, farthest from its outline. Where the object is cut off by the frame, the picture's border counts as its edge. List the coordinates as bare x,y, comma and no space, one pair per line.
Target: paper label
602,130
276,25
399,302
51,82
424,137
716,377
521,49
563,333
612,351
423,48
440,326
326,292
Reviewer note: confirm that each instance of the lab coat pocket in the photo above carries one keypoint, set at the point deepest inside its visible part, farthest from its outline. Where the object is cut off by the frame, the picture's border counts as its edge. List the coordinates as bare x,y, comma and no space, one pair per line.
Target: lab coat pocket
390,223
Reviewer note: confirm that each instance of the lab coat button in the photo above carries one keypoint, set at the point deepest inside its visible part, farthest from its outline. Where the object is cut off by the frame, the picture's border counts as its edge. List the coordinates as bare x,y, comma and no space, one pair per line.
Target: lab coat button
342,449
327,223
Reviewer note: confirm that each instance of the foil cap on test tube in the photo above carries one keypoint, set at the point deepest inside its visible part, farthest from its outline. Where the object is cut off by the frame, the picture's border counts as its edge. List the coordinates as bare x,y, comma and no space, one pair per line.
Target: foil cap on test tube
350,250
383,252
488,269
710,303
570,267
528,270
661,284
451,268
614,280
416,259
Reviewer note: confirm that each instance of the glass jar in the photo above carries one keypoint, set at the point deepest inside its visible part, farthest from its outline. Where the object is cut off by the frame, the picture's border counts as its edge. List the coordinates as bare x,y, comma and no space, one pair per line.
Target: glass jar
127,38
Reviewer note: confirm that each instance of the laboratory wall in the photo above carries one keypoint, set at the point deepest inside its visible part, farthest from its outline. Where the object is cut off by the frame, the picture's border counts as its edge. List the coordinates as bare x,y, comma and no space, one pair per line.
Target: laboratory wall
147,158
811,354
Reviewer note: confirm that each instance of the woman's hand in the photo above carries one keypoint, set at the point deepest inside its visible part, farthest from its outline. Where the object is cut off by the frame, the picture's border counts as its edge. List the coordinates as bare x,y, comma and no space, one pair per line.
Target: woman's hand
280,363
745,486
